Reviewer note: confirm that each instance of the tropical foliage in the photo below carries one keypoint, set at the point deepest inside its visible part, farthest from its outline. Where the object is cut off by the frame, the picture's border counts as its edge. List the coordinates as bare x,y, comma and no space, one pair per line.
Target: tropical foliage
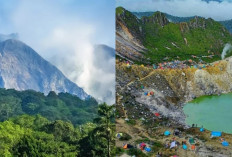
63,106
29,136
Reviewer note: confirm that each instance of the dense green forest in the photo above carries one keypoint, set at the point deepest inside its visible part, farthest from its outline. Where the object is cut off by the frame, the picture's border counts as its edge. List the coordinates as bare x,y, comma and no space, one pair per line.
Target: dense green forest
63,106
30,136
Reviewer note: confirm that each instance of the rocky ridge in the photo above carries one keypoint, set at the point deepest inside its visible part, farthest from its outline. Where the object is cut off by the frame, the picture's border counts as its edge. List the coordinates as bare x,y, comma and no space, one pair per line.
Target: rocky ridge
22,68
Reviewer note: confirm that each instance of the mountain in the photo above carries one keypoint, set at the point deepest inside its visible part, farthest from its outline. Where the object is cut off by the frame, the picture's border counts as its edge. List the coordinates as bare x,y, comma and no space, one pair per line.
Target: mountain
227,24
176,19
104,62
4,37
171,18
22,68
154,38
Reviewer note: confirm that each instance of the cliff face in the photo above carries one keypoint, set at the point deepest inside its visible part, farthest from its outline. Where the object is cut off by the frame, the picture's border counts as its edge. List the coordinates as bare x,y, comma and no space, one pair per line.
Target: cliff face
22,68
128,36
172,88
157,18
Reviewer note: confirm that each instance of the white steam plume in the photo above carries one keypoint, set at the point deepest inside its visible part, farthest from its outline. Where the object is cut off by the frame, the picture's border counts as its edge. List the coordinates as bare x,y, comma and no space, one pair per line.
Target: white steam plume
227,48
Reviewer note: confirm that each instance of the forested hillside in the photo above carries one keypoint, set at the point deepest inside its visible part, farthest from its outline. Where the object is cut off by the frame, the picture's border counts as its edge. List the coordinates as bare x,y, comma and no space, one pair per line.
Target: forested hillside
63,106
29,136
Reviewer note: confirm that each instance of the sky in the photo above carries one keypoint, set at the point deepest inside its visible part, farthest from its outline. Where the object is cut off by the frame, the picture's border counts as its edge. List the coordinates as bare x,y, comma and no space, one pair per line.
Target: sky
66,32
217,9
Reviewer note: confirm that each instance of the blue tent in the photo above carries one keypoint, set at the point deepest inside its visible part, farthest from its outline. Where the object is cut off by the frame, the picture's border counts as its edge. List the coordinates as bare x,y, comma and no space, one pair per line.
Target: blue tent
216,133
225,143
154,66
184,147
166,133
202,129
148,149
145,93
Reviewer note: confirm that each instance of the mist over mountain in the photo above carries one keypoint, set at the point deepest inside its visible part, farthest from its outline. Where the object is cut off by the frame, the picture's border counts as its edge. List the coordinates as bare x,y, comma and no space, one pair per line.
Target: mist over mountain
22,68
104,82
4,37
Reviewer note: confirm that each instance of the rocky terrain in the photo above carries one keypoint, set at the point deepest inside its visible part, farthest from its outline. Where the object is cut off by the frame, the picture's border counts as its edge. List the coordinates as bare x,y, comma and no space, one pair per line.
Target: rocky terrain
172,89
22,68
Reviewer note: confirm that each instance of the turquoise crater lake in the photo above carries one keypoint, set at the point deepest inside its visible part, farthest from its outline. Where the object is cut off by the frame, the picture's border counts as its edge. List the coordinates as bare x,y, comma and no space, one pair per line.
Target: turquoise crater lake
213,112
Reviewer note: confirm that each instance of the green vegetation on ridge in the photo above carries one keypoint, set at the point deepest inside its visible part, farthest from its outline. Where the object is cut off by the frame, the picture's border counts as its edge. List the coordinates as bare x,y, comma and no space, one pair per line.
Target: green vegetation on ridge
63,106
204,38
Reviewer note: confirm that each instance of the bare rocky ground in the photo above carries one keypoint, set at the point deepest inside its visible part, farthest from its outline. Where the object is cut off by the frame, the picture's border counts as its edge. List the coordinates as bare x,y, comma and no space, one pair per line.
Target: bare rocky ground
172,89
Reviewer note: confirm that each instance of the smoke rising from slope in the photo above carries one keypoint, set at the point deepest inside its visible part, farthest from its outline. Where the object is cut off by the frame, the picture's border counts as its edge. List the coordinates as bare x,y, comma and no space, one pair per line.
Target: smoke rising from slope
64,33
227,48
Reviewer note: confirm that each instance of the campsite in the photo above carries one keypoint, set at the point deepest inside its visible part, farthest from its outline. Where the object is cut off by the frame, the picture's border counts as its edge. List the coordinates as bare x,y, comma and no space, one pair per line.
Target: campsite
149,110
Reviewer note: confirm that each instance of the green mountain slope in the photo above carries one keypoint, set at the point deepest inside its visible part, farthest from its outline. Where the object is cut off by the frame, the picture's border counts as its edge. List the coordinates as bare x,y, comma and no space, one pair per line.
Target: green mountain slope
176,19
166,40
63,106
227,24
171,18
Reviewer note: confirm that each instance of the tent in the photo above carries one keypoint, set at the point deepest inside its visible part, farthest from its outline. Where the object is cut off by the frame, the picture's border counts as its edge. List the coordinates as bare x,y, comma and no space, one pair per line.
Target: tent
166,133
129,146
225,143
201,129
151,93
147,149
184,147
157,114
193,147
145,93
119,135
176,132
126,119
216,134
125,146
191,141
142,144
173,144
142,119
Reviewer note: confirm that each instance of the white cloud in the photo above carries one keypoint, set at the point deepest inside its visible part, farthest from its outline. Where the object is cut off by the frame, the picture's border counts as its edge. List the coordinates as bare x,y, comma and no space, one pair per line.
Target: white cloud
184,8
65,33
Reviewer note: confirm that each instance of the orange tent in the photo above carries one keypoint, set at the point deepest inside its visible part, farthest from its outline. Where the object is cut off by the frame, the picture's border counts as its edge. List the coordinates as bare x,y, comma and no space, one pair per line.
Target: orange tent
193,147
125,146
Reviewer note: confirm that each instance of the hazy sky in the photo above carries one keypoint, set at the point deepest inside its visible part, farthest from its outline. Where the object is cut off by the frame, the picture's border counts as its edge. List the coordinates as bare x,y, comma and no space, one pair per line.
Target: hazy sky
216,9
64,32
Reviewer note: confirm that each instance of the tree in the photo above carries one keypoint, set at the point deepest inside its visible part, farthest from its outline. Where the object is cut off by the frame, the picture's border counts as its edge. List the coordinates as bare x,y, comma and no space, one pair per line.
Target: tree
100,141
